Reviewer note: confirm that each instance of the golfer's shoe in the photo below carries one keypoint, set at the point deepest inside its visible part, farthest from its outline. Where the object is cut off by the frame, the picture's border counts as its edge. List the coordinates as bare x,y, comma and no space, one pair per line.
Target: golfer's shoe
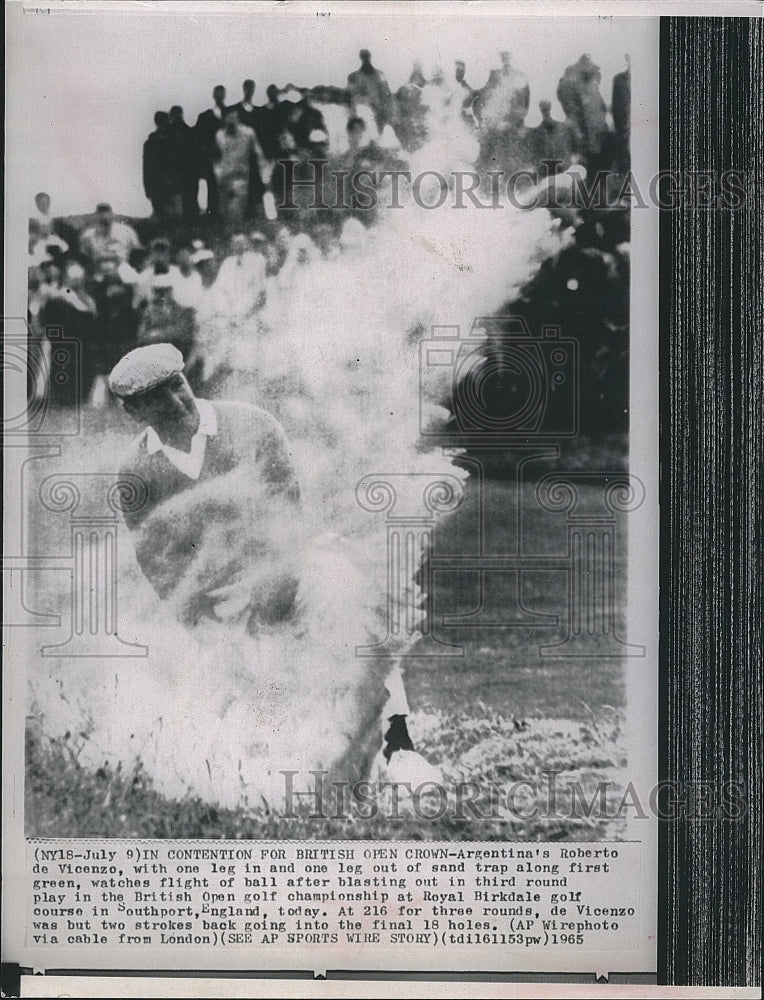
397,737
400,764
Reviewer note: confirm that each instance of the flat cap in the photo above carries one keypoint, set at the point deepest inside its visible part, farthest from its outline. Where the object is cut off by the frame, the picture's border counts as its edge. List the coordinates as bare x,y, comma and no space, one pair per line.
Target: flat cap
145,368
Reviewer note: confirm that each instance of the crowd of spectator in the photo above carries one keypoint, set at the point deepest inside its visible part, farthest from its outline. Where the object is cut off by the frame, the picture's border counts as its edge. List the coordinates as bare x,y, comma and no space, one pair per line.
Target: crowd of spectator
195,272
238,150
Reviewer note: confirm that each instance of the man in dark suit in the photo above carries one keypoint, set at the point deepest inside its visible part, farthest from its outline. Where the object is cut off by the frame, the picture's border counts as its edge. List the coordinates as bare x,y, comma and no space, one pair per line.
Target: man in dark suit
208,124
184,153
158,180
246,110
552,143
270,122
305,120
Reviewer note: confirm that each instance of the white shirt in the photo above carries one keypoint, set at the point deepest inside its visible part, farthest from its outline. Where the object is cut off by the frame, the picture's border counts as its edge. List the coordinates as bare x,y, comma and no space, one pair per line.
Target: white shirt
189,463
188,289
239,284
145,282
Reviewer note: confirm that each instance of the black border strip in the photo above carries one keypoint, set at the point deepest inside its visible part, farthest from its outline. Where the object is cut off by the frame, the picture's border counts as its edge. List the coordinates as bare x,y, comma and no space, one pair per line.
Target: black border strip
712,323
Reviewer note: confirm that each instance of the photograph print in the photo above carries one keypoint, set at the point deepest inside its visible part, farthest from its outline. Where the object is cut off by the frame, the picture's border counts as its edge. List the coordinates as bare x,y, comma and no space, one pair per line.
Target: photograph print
328,523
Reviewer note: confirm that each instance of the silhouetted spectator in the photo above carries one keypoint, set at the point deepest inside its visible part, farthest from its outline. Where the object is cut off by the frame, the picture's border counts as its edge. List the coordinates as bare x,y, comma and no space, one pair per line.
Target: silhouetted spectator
410,124
186,161
579,95
161,180
569,95
270,124
518,91
552,143
246,109
208,124
42,208
500,108
306,119
597,137
368,86
465,94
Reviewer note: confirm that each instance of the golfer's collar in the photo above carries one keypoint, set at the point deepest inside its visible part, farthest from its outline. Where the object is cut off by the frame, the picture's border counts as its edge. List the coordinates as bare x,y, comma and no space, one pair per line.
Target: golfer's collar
208,427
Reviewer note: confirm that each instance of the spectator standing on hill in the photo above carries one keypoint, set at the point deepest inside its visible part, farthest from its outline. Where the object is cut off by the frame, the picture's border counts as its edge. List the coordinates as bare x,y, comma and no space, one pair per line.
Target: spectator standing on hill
552,142
305,120
208,124
160,169
579,95
597,137
500,108
410,124
186,162
239,171
270,124
42,209
517,92
246,109
368,86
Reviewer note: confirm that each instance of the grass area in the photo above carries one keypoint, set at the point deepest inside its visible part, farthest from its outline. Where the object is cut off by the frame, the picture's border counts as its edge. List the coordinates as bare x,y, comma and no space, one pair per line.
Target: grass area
501,664
498,715
496,786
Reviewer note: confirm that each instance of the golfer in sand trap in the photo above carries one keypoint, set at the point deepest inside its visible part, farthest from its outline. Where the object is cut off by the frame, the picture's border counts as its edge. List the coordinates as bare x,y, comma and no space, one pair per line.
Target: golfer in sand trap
213,535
